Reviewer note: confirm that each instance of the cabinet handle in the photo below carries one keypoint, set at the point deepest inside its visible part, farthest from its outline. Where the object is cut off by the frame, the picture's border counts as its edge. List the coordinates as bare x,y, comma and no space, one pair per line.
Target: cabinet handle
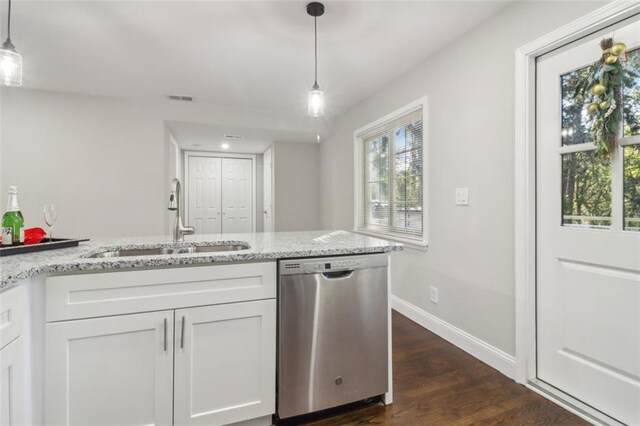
165,334
182,334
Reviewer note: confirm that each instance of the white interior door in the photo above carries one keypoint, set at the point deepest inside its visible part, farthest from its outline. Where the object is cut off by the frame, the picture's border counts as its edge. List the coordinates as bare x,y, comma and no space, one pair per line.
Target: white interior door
205,194
588,240
225,363
110,371
268,191
237,195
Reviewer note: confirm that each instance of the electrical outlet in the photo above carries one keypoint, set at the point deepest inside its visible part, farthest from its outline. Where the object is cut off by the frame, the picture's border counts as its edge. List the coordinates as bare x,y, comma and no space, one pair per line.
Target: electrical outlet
434,295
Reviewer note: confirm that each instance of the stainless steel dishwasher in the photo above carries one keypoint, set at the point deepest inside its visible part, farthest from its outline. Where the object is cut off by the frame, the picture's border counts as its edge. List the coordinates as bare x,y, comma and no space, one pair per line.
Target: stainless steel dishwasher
332,332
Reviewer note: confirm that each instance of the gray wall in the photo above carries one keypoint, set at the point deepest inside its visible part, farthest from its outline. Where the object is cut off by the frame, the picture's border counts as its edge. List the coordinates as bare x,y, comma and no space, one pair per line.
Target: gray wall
296,186
104,161
470,89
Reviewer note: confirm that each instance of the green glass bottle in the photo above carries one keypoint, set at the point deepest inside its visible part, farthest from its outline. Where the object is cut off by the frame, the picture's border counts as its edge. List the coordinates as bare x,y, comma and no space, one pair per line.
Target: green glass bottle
12,221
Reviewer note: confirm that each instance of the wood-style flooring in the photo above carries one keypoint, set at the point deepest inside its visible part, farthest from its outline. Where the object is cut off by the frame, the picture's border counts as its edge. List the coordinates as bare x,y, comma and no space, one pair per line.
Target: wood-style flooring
436,383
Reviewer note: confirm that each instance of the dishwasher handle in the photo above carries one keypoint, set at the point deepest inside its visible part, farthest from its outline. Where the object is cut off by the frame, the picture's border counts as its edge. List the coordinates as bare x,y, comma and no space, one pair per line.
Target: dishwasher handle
337,275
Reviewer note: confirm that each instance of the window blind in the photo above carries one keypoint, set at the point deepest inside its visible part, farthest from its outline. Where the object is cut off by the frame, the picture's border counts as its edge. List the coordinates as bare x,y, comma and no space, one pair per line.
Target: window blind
393,177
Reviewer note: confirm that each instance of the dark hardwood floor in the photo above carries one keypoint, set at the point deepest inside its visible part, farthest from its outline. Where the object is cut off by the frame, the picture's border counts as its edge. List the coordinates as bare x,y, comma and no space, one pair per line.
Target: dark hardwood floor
436,383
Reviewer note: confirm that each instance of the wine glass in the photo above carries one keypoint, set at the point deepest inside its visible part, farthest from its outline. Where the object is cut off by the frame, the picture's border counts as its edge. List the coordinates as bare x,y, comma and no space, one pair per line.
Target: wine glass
50,216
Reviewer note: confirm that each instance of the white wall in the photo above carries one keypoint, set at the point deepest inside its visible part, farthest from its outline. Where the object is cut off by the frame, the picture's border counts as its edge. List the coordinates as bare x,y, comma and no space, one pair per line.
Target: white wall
470,90
296,186
103,161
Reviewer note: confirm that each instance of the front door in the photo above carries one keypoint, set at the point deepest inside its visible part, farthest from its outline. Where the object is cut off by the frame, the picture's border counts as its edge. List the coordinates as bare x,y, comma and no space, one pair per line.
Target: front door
588,237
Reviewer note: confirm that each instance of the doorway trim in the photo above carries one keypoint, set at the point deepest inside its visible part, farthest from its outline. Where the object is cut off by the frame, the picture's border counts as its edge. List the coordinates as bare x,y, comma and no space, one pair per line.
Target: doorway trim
272,150
525,192
185,168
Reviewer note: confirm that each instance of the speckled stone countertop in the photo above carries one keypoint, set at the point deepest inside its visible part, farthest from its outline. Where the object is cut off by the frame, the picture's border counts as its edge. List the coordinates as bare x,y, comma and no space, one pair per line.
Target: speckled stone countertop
263,246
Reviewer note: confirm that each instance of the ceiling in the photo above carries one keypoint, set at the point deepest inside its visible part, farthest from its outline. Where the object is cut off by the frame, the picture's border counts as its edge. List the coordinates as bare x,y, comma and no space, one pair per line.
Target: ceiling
255,54
205,137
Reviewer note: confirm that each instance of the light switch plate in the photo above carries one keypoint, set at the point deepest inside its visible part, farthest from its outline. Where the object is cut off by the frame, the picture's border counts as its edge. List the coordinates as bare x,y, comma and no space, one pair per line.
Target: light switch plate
462,196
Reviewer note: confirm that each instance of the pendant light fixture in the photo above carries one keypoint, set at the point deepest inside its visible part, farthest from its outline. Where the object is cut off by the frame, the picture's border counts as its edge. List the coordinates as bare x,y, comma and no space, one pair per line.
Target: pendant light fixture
316,97
10,60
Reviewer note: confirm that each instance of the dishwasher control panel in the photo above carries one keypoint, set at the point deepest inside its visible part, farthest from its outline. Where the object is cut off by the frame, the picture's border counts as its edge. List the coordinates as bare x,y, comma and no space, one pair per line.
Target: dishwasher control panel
333,265
329,264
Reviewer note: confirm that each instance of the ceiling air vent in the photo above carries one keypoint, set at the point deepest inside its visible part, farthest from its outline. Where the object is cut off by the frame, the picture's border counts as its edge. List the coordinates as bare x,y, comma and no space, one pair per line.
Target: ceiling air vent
232,137
180,98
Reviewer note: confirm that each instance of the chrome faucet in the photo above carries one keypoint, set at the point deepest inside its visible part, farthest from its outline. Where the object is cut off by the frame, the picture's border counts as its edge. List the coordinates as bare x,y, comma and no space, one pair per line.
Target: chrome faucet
179,230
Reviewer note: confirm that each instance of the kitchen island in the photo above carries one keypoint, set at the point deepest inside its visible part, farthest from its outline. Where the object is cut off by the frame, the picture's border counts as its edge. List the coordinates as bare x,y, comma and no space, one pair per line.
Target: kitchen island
262,246
175,338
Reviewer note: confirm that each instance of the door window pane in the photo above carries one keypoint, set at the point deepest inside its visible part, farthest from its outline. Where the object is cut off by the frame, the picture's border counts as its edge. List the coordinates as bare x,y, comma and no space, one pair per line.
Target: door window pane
586,190
632,97
576,123
632,188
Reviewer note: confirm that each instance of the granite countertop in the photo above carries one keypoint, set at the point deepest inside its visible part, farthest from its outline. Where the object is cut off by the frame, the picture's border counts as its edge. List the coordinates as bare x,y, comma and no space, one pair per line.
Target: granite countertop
263,246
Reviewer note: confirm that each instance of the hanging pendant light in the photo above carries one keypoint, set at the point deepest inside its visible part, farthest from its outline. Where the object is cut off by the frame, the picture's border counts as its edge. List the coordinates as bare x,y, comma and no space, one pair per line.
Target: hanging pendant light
316,96
10,60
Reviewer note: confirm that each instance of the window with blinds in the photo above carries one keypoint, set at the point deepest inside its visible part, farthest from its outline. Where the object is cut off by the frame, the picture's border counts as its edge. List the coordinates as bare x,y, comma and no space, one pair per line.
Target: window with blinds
393,179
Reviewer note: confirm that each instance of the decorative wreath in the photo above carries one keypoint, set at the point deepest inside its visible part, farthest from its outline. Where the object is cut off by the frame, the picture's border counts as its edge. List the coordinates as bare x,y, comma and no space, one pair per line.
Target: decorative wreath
602,87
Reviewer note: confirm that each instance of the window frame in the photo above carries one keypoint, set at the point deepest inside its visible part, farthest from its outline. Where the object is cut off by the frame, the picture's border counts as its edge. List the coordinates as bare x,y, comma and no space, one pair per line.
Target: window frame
358,144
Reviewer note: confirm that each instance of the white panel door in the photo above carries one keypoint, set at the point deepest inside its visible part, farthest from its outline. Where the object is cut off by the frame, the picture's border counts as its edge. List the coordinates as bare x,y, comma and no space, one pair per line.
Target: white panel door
225,363
588,248
110,371
268,191
12,396
237,195
205,195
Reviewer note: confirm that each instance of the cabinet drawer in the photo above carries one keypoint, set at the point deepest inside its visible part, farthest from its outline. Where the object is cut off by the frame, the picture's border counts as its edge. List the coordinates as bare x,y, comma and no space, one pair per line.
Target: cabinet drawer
113,293
11,314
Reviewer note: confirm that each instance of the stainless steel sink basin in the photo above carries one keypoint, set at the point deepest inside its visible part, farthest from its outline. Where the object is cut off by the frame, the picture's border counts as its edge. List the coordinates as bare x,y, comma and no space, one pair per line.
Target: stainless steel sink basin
164,251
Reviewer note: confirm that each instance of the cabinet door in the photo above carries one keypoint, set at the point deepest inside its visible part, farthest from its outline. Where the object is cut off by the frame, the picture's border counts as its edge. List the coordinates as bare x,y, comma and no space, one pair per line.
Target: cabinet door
110,371
12,313
12,397
225,363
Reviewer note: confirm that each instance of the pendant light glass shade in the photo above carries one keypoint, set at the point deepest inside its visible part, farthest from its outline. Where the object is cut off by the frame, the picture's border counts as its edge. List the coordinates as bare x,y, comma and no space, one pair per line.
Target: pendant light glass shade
10,60
10,66
316,102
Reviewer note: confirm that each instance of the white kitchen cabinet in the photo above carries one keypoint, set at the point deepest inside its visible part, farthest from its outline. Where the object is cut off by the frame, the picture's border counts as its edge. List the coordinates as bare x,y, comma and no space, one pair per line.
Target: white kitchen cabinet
12,397
12,358
109,364
225,363
125,292
110,371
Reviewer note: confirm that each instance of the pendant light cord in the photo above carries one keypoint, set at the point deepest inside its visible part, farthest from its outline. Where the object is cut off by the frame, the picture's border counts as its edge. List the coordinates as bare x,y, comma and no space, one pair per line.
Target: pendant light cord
9,23
315,30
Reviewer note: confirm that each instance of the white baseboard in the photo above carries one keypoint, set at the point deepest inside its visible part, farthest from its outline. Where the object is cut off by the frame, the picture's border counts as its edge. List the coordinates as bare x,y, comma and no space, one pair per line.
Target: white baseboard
494,357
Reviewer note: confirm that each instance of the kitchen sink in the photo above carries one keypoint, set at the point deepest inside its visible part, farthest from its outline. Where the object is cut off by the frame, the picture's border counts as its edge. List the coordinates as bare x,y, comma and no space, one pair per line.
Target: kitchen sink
165,251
